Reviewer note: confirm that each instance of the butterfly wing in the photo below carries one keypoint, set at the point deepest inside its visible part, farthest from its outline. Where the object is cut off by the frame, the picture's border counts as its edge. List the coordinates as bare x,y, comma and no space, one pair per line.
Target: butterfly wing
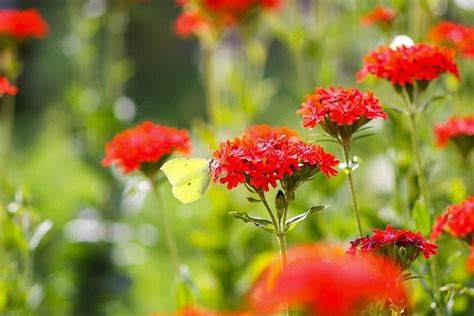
190,178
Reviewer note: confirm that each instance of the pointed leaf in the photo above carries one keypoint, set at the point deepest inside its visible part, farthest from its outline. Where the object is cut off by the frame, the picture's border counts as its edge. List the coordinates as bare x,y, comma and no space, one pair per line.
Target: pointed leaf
292,222
432,100
39,234
253,200
421,216
257,221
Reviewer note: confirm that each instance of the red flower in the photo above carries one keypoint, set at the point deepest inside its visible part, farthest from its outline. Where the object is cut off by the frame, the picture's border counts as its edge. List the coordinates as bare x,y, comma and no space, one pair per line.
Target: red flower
341,106
6,87
459,36
219,14
22,25
459,218
260,131
325,281
380,14
384,242
263,160
407,64
453,129
190,23
146,143
458,221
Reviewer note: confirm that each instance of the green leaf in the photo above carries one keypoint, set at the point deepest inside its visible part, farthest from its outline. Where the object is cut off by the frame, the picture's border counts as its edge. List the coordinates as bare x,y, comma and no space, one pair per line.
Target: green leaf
421,216
39,234
362,136
253,200
432,100
257,221
292,222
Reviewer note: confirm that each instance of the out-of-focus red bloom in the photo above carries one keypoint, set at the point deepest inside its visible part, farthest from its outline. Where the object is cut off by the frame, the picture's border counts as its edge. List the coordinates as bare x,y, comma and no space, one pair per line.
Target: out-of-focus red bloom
260,131
146,143
459,36
340,106
459,218
6,87
263,160
458,221
189,23
380,14
383,242
404,65
219,14
195,311
325,281
22,24
453,129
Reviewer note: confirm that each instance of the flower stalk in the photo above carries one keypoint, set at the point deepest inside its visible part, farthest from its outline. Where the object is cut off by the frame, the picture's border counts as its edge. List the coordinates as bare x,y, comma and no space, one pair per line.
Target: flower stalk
348,171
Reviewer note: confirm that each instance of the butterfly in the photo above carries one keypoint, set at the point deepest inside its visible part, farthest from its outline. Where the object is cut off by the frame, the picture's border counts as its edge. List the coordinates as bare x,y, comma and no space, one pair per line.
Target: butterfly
189,177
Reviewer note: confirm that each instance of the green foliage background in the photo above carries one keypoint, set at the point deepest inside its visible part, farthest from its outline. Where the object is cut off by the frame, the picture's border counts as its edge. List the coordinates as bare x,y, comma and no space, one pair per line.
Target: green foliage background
65,114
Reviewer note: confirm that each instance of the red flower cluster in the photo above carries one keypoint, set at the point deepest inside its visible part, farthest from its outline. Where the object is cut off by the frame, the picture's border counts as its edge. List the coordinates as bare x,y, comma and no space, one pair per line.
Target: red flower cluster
23,24
146,143
341,106
217,14
6,87
262,161
459,219
326,281
380,14
454,128
407,64
383,240
460,36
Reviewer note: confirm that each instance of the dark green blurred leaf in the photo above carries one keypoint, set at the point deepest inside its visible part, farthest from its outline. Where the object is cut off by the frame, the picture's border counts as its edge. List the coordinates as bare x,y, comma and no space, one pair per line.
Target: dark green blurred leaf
292,222
421,216
257,221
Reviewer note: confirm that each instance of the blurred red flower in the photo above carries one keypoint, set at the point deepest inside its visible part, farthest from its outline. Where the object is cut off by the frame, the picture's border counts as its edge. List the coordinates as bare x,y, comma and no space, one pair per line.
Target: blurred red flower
380,14
459,36
454,128
146,143
194,311
6,87
458,221
262,160
260,131
190,22
218,14
324,280
404,65
22,24
341,106
384,242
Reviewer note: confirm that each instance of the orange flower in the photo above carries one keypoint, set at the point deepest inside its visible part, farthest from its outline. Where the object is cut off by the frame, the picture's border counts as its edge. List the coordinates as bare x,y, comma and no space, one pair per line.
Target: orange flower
380,14
260,131
22,25
457,129
6,87
190,23
194,311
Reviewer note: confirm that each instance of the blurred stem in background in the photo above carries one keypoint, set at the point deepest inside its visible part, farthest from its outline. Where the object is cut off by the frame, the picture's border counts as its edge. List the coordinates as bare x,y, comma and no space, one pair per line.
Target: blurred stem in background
412,100
210,84
348,171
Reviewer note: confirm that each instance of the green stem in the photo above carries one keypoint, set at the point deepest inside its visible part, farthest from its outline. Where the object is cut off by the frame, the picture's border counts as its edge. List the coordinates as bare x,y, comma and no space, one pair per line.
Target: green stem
210,85
7,117
170,240
419,164
412,108
281,237
347,151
